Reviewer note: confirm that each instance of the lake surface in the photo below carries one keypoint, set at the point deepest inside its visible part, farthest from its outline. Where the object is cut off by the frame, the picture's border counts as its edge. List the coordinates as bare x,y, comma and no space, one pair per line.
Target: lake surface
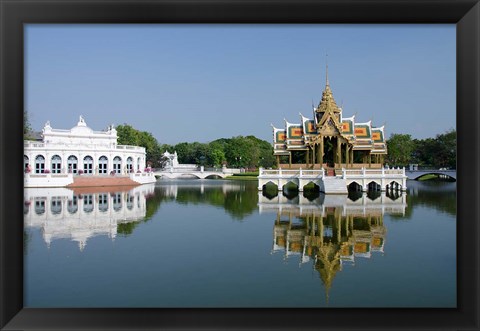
221,243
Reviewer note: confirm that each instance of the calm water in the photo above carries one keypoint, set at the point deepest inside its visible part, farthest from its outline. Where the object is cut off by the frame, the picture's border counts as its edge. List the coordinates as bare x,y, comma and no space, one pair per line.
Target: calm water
216,243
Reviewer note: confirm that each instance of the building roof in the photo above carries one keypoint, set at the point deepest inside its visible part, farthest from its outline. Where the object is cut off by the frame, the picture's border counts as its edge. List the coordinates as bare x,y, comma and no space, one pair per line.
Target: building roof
329,122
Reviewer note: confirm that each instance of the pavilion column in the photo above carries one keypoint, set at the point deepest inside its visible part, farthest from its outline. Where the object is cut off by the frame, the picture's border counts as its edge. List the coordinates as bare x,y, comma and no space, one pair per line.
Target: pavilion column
369,159
313,156
290,160
339,151
351,156
307,157
278,161
339,228
347,223
320,154
346,155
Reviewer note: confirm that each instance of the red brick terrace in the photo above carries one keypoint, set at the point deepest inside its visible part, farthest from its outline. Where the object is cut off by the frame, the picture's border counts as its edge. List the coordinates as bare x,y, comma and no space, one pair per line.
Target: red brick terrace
89,181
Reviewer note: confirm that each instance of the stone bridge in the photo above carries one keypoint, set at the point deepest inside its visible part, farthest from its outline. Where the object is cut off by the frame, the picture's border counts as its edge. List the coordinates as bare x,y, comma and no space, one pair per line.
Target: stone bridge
415,174
198,172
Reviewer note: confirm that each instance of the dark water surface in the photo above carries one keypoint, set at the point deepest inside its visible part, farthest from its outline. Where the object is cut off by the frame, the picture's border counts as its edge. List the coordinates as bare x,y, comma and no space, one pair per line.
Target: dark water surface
219,243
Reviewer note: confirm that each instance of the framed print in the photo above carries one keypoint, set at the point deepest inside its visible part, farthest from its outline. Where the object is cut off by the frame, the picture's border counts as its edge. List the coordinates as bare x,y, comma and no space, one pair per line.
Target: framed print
332,232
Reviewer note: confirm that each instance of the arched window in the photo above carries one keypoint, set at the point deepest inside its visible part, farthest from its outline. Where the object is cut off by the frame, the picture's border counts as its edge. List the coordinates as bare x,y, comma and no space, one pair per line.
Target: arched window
130,200
39,206
102,165
25,163
88,165
117,201
103,202
88,203
56,205
129,164
138,164
39,164
72,164
117,164
72,205
56,164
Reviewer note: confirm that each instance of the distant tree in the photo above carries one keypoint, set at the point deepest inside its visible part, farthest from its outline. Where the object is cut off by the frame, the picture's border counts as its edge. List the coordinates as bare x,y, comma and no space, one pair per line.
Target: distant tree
185,153
27,127
446,155
216,156
127,135
400,148
438,152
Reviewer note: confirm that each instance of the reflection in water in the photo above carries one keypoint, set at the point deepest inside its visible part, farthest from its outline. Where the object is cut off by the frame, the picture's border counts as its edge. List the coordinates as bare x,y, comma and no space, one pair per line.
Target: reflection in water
330,230
63,213
314,240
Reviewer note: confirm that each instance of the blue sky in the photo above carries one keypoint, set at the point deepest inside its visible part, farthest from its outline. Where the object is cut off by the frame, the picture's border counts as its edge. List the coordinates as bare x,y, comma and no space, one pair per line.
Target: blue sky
204,82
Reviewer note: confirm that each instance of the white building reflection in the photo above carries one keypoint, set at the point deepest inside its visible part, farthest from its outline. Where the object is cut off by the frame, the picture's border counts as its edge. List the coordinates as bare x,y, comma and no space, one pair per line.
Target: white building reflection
62,213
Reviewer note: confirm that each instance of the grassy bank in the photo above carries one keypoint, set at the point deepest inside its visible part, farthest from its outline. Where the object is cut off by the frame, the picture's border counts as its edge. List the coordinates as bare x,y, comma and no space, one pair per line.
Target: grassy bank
244,176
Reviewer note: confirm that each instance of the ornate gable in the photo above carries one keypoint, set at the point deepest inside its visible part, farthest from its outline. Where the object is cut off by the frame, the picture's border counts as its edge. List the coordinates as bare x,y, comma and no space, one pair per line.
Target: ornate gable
328,115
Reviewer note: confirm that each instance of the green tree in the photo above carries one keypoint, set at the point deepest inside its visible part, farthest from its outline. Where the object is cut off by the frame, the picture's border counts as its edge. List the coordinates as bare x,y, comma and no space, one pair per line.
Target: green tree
27,127
127,135
216,156
152,148
446,155
438,152
400,149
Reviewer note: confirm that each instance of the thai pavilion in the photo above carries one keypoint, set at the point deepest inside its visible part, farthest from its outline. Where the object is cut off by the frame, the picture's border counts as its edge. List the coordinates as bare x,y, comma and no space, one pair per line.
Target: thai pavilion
329,140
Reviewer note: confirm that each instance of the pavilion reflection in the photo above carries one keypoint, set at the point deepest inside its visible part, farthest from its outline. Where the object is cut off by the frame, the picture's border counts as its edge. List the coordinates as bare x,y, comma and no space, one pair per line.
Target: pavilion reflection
330,230
81,214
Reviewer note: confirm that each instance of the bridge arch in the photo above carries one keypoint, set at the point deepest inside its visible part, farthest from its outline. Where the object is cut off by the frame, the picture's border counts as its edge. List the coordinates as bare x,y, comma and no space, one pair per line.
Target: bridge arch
292,184
355,187
215,176
374,186
269,184
316,186
393,185
446,176
416,174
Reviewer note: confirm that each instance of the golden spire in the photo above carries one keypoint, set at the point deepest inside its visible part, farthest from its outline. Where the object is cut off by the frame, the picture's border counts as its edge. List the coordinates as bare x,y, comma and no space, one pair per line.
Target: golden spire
326,71
327,264
327,102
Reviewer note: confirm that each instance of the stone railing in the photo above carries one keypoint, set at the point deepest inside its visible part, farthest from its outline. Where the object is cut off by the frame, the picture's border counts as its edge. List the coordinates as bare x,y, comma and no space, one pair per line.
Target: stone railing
346,173
291,173
33,144
130,147
372,172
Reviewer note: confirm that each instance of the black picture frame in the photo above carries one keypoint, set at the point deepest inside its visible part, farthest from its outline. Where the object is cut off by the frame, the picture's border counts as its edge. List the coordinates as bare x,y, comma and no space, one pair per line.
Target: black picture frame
14,13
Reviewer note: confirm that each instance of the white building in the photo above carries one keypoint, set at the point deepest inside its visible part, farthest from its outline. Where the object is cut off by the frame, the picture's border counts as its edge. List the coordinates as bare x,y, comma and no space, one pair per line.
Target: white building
79,151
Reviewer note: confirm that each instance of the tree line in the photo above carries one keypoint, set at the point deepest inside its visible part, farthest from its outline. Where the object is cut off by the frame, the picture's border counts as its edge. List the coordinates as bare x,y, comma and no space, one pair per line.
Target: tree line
438,152
236,152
